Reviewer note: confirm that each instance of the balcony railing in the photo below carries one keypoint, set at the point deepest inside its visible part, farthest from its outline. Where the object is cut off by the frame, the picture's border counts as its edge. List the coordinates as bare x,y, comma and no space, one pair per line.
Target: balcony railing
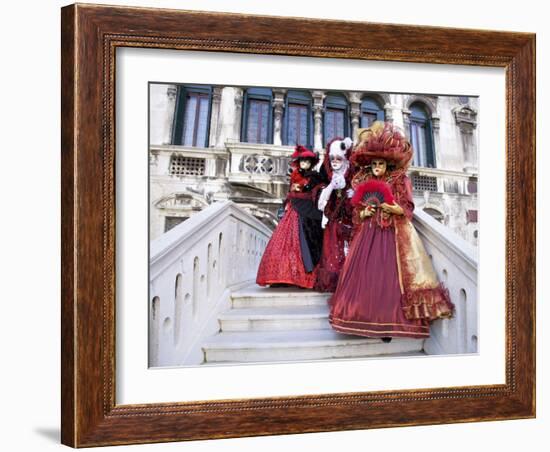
443,181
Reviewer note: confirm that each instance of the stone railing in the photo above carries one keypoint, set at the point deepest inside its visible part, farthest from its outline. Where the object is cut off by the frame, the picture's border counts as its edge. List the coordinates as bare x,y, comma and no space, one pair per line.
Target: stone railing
186,161
265,166
455,262
193,268
443,181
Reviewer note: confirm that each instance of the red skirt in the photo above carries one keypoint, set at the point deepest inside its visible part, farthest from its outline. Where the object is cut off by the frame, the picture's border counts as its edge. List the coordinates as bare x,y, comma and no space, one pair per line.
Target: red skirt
282,259
367,300
333,257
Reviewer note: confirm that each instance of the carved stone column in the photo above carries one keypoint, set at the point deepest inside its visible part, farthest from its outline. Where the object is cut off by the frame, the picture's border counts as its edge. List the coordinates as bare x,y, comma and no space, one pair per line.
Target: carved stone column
229,118
318,108
406,113
466,119
215,116
278,107
436,139
354,99
388,112
238,113
170,112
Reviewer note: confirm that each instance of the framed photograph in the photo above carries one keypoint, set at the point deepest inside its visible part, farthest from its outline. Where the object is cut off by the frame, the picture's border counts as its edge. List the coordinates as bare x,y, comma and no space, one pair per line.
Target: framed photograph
268,232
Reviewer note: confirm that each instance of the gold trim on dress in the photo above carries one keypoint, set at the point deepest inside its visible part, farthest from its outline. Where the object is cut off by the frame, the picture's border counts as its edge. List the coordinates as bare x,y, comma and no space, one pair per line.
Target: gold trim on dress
382,332
382,324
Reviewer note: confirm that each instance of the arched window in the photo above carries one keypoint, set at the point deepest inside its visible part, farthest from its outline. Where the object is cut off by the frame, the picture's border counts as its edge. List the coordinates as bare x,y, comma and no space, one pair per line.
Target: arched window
298,120
336,122
257,116
370,111
421,136
192,119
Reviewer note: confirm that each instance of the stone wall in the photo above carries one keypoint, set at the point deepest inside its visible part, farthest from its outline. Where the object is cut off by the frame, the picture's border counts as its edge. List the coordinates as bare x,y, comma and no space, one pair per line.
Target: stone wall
185,179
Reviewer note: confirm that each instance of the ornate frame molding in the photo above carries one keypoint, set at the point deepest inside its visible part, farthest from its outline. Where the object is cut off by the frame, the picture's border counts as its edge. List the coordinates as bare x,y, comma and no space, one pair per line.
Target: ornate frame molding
90,35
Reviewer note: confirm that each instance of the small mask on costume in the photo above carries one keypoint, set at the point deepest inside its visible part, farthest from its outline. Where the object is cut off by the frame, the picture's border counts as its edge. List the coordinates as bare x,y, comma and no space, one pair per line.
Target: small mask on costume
305,164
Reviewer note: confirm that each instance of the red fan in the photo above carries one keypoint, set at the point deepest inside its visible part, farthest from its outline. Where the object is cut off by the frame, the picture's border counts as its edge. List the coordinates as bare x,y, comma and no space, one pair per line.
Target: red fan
372,193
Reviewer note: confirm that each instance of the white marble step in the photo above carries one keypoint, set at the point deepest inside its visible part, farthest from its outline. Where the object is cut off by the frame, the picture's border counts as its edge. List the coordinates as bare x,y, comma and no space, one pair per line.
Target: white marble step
257,296
290,318
271,346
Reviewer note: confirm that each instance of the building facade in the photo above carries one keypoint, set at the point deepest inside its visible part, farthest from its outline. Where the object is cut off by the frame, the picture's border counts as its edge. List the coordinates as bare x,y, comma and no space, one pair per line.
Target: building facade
210,143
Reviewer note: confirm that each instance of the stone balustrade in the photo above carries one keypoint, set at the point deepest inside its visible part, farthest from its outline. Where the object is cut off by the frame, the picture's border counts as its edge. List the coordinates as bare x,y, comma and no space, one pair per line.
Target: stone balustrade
456,263
196,266
193,269
443,181
187,162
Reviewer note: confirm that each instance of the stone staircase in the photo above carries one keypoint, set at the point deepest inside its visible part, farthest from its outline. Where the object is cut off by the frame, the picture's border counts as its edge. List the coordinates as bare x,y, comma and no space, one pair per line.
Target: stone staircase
289,324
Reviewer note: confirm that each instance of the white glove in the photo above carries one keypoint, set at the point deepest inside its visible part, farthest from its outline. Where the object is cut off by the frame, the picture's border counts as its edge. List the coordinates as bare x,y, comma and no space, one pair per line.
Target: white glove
350,192
324,221
324,196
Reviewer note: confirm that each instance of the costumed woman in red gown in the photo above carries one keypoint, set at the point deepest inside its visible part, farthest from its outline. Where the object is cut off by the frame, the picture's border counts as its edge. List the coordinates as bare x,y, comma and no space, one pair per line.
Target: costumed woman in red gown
335,203
388,287
293,252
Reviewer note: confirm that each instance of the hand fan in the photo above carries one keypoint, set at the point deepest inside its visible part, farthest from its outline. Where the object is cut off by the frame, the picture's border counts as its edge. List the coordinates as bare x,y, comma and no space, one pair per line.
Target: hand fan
372,193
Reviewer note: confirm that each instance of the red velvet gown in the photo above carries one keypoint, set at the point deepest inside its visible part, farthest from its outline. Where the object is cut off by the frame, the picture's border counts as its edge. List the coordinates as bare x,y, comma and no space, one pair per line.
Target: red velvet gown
368,301
283,260
336,238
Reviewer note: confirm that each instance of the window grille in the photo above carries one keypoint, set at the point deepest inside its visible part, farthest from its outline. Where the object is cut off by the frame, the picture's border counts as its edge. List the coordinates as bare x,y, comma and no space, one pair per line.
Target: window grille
186,166
424,183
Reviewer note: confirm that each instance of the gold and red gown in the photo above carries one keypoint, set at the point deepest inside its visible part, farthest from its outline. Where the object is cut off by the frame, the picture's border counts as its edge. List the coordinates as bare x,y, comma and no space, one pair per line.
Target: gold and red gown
387,287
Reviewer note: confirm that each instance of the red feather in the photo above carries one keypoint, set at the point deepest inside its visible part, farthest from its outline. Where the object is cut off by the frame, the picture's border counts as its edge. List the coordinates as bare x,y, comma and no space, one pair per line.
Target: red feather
372,186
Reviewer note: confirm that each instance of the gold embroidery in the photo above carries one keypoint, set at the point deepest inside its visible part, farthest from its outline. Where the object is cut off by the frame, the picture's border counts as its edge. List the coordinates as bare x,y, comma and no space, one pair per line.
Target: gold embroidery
382,324
381,332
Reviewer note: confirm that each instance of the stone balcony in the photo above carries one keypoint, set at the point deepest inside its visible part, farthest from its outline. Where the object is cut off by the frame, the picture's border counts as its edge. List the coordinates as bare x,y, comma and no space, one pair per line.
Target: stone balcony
255,176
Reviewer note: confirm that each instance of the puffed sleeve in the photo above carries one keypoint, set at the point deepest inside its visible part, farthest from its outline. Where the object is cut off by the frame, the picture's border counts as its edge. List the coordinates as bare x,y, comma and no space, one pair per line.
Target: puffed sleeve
404,196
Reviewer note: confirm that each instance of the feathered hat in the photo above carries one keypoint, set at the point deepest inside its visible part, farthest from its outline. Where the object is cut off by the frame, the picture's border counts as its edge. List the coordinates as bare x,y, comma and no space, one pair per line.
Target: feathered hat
382,140
301,152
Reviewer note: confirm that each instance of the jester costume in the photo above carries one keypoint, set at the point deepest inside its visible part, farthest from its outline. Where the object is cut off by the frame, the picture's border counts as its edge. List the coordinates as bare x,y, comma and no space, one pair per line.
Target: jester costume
387,287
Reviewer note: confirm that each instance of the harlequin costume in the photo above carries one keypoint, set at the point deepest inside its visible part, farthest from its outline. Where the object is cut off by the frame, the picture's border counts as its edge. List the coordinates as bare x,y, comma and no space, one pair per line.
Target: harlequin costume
387,287
293,252
336,206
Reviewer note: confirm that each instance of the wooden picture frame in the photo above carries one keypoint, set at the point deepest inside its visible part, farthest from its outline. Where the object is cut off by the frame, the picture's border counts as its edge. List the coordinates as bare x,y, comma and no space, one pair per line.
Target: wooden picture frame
90,36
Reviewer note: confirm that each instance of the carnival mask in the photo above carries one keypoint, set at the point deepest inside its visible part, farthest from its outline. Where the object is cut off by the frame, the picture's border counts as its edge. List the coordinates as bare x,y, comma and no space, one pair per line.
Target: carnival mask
305,164
378,167
336,162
